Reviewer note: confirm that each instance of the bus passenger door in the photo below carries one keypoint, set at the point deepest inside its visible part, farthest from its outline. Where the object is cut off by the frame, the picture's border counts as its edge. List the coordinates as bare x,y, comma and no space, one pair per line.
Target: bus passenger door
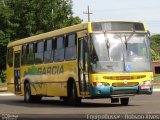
83,66
17,82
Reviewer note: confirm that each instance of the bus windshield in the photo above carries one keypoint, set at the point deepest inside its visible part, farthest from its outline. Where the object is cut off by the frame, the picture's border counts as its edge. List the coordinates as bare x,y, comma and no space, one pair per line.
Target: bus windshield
120,52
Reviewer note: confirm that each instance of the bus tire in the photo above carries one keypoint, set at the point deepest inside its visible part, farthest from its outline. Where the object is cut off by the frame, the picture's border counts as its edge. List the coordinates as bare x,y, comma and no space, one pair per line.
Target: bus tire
124,101
72,95
27,93
28,98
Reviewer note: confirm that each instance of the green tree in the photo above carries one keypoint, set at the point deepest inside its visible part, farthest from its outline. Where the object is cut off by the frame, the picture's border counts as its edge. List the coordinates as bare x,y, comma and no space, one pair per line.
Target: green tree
155,46
154,56
6,28
24,18
38,16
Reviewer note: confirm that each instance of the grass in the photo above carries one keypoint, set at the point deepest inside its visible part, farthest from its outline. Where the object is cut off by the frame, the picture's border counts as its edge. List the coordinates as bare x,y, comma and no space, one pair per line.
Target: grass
156,78
156,87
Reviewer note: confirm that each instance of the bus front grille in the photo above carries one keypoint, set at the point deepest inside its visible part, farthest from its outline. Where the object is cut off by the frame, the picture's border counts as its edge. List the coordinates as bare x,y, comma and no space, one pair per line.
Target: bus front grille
123,84
124,77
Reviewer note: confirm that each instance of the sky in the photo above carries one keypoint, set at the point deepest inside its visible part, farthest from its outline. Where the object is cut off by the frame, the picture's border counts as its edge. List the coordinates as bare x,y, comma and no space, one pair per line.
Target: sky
146,11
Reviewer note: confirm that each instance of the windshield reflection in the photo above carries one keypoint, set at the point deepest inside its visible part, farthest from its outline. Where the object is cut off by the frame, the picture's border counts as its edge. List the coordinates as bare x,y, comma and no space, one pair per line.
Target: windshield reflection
120,53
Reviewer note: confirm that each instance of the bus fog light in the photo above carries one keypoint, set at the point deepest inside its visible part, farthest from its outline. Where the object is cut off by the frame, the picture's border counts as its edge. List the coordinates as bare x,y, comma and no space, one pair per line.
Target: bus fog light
98,92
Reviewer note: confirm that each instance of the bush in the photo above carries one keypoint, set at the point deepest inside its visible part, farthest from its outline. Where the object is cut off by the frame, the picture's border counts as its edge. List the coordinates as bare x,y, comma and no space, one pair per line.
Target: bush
3,76
156,78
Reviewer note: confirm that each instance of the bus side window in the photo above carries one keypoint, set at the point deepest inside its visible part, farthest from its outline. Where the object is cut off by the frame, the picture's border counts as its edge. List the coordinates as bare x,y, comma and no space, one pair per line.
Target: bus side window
30,56
70,47
10,57
59,51
27,52
39,48
54,44
23,55
48,51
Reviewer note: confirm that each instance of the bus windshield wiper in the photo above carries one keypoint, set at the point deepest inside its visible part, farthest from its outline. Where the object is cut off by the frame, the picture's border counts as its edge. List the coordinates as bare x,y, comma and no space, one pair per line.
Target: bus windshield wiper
125,42
127,39
107,43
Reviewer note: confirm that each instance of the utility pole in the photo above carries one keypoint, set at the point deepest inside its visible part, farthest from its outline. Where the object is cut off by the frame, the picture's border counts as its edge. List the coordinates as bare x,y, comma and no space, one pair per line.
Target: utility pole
88,13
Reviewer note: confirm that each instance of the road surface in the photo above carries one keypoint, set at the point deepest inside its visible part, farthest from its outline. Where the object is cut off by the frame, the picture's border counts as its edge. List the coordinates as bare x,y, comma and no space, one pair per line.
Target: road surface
140,104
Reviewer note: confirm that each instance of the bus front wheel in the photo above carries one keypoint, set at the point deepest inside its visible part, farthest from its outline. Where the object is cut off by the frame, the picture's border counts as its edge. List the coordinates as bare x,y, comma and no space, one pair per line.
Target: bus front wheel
28,98
124,101
27,93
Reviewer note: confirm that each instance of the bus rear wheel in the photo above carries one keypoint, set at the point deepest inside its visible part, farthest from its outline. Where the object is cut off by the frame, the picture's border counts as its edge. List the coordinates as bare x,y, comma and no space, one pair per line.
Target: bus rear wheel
124,101
72,96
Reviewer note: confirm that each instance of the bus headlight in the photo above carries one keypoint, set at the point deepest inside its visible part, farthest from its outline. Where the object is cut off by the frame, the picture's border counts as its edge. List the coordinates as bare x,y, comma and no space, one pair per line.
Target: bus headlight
100,84
145,85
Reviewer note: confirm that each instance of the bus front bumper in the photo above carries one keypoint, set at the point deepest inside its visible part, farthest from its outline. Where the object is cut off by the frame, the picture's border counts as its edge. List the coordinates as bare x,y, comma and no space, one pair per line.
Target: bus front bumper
110,91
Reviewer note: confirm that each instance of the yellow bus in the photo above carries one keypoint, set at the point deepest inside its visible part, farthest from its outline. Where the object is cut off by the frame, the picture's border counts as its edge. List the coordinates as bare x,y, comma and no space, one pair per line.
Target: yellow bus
102,59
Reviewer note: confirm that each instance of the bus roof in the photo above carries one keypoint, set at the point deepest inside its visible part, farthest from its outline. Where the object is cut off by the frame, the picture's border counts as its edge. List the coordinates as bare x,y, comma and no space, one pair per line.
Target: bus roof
58,32
50,34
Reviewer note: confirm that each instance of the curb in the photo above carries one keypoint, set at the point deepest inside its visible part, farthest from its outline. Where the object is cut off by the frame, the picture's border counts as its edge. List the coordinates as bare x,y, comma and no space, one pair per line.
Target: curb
7,94
156,90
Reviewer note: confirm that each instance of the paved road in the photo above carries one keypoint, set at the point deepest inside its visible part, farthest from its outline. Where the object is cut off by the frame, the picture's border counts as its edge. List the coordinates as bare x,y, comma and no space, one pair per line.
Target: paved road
138,104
